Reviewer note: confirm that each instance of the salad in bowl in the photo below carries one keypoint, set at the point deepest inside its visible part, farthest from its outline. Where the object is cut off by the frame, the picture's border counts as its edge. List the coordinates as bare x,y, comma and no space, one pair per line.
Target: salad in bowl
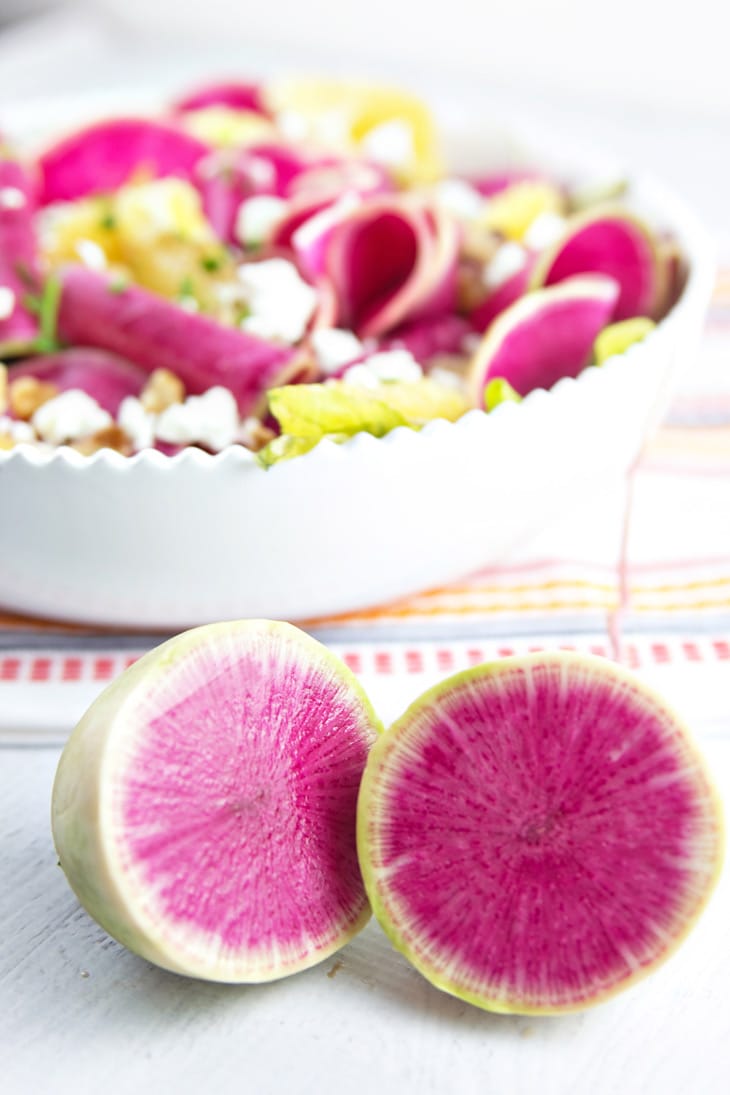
265,307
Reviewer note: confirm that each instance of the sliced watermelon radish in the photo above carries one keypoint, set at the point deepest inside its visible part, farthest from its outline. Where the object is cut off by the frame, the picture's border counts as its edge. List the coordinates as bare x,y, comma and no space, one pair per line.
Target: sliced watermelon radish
155,333
105,377
319,187
426,339
104,156
204,808
545,335
608,241
539,833
236,94
332,177
496,181
19,270
299,211
390,261
225,179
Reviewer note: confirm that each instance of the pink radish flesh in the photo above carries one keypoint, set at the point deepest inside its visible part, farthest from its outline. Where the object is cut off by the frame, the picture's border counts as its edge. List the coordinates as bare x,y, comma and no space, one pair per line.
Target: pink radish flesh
19,270
501,297
537,834
154,333
105,155
619,248
105,377
547,335
380,259
235,94
249,839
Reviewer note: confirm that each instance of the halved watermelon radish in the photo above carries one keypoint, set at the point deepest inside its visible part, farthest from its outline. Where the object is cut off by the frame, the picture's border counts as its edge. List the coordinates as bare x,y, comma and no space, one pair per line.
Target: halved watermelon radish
204,808
545,335
611,241
538,833
107,154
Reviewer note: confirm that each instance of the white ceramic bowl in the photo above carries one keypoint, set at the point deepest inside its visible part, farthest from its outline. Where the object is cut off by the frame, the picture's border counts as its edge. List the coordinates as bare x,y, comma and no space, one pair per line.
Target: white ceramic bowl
154,541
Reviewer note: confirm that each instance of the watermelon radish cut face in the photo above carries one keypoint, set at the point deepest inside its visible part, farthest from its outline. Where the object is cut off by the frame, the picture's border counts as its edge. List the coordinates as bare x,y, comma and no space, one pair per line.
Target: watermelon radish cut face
204,809
104,156
614,243
381,260
538,833
236,94
545,336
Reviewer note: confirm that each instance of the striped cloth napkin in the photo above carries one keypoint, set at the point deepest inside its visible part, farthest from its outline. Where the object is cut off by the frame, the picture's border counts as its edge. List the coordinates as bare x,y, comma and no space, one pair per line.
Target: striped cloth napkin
641,573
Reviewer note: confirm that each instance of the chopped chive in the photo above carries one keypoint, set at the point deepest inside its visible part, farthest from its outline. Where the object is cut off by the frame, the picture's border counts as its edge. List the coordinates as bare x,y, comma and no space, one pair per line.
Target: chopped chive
211,263
32,303
48,315
25,274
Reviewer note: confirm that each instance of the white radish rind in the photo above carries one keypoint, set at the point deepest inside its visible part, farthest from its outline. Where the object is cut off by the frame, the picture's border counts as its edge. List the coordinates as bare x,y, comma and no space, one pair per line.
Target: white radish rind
204,808
537,834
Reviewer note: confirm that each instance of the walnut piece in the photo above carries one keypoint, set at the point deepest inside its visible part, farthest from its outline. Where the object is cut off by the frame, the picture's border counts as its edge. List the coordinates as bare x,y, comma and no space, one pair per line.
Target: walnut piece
26,395
479,245
110,437
162,390
254,434
470,290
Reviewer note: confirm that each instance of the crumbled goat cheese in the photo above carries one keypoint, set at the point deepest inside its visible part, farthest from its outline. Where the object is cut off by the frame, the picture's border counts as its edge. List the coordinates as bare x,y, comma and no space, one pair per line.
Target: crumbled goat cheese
12,198
334,347
459,198
69,417
138,425
447,378
390,143
361,377
546,229
210,419
395,365
280,302
91,254
256,218
7,302
19,431
508,260
383,368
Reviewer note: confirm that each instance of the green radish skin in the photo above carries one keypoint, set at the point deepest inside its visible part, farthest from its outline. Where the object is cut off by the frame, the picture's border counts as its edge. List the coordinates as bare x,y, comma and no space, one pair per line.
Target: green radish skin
391,861
133,897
